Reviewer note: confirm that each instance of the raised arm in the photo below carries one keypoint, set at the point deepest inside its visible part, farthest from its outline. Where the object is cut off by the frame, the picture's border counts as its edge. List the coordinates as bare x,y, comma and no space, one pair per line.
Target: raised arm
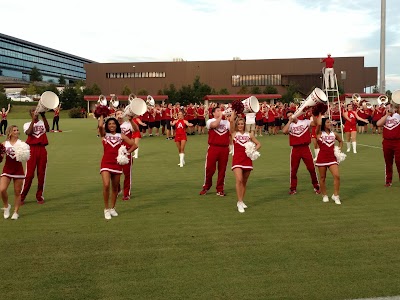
232,122
100,125
46,124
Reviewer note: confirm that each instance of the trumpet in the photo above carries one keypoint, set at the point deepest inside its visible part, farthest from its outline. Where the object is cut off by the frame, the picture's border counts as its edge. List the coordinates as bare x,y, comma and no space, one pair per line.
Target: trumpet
368,105
131,97
102,100
356,98
382,100
114,101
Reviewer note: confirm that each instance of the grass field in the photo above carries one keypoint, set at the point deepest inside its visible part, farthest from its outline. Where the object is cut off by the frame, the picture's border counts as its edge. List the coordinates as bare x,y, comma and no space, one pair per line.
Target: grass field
171,243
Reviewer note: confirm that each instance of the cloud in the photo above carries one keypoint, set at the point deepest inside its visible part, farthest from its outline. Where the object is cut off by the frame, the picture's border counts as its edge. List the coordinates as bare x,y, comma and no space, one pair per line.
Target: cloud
208,30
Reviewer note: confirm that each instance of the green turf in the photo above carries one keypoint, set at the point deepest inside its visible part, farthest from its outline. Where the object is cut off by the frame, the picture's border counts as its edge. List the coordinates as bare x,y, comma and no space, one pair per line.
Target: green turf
171,243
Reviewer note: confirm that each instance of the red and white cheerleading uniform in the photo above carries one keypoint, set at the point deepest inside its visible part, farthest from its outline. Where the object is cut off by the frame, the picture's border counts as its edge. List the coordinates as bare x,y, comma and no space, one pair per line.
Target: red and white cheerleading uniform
240,159
391,145
326,155
180,131
12,168
38,159
351,125
299,139
136,134
111,144
218,151
126,128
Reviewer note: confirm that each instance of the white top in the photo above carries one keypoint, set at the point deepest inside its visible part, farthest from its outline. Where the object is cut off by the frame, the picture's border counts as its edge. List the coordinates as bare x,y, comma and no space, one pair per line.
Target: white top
250,118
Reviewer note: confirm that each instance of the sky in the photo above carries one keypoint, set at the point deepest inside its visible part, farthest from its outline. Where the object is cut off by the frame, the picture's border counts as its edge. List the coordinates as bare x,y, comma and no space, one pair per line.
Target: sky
203,30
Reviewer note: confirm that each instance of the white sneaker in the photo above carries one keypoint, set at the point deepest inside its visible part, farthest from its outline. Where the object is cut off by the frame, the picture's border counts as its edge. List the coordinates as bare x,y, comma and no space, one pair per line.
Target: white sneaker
354,151
244,205
15,216
240,207
6,210
113,212
336,199
181,165
325,198
348,150
107,214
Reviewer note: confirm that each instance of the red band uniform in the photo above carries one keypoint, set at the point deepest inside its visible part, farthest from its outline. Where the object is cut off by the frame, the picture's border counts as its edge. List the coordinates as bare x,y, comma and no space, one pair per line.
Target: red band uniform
391,145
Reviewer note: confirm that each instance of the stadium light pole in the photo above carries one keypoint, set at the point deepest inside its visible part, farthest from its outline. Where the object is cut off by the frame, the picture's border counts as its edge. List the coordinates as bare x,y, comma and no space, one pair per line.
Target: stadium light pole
134,76
382,83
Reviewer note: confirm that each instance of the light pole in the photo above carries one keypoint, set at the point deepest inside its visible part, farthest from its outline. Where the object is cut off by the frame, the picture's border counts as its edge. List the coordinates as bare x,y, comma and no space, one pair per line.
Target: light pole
382,82
134,76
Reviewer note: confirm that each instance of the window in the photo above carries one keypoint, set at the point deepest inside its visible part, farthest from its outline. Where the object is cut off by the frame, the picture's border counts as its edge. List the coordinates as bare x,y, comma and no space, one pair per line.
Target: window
256,80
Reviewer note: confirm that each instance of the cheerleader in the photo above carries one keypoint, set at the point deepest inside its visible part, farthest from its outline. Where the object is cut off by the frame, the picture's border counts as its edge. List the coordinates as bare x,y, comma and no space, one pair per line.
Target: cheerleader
350,127
180,136
3,124
326,158
110,170
241,163
12,170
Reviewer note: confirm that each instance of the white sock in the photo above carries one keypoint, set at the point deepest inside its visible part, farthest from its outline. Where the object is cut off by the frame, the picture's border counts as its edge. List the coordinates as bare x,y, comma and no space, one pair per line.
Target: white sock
181,158
136,152
348,146
354,147
316,151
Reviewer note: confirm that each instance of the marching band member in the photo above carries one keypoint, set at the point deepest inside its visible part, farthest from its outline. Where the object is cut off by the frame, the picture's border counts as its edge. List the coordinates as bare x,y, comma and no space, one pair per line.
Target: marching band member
37,140
326,158
127,128
391,141
157,118
12,170
180,136
201,118
299,139
241,163
350,127
218,151
377,114
3,124
362,112
190,117
328,73
110,170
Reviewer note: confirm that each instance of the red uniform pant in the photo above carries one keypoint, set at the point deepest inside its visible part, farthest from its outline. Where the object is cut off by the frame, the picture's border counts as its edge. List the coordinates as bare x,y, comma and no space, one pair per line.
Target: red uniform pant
302,152
216,155
127,171
391,151
38,160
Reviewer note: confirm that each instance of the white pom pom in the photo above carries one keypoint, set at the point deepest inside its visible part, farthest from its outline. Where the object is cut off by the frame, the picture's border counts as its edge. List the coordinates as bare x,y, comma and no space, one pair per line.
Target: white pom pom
22,151
251,150
340,156
122,158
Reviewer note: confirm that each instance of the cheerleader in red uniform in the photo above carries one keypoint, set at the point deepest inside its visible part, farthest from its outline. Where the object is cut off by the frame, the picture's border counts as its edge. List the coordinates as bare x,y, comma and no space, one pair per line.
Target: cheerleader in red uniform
56,118
241,163
12,170
3,124
110,170
326,158
350,127
180,136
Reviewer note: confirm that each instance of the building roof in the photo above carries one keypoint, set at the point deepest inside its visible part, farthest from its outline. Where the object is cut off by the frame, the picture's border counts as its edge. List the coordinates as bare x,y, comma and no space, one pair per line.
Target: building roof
11,38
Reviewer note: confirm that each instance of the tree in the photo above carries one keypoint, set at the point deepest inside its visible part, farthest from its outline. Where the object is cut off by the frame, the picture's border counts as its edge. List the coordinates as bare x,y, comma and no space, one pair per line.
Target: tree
2,90
61,79
142,92
243,90
30,90
255,90
172,93
223,91
291,90
375,89
126,91
269,89
70,98
1,72
35,75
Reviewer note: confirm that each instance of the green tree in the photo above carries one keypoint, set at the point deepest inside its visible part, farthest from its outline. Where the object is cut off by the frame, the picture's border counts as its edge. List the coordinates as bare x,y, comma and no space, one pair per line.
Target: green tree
35,75
2,90
375,89
291,90
61,79
70,98
3,100
269,89
172,93
255,90
223,91
126,91
243,90
142,92
30,90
